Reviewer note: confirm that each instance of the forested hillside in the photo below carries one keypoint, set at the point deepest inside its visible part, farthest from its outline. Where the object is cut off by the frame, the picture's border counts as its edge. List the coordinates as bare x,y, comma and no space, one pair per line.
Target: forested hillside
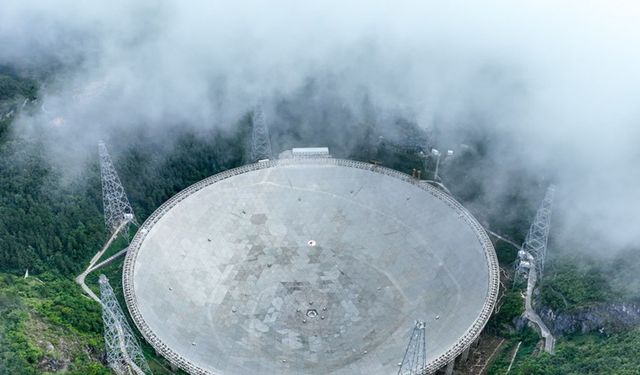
52,225
45,225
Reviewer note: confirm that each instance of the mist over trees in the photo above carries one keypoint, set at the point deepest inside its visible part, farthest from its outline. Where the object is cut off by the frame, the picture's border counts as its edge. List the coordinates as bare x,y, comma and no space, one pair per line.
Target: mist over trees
525,96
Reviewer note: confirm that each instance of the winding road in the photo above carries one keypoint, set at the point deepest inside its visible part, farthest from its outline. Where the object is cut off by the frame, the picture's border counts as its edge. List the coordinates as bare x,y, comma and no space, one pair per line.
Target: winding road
133,367
94,260
532,315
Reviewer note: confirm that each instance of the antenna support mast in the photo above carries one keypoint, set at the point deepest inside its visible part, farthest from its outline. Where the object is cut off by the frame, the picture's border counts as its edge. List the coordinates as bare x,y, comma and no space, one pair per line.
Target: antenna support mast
260,142
534,248
414,361
115,203
124,354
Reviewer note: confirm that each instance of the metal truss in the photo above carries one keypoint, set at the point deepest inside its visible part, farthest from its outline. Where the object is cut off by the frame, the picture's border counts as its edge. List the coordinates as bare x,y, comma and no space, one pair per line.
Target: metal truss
260,142
534,248
114,200
124,355
414,361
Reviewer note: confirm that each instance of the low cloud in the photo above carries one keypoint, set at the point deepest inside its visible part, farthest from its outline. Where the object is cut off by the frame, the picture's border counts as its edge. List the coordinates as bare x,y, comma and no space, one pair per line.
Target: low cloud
555,84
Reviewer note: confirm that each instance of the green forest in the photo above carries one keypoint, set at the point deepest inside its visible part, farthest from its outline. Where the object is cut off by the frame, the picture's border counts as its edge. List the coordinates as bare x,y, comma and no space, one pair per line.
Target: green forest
51,225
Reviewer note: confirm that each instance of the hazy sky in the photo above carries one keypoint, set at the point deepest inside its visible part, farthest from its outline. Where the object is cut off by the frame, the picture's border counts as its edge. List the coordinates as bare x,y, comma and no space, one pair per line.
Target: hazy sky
559,81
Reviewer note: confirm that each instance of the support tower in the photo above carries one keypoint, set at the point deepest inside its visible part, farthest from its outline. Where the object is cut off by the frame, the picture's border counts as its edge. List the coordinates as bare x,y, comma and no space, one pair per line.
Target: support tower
124,355
534,248
414,361
116,206
260,142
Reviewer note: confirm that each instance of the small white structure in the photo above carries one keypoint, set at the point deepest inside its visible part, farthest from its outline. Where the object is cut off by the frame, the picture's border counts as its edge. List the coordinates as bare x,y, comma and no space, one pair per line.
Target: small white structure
305,152
311,152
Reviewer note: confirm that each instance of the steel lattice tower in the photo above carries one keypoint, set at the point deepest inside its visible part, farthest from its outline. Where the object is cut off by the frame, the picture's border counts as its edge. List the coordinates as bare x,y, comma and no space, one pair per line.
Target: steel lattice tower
260,142
124,355
114,200
414,361
535,244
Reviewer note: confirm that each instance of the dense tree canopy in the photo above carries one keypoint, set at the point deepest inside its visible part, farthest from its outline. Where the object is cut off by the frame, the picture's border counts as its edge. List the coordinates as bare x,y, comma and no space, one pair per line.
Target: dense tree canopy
52,225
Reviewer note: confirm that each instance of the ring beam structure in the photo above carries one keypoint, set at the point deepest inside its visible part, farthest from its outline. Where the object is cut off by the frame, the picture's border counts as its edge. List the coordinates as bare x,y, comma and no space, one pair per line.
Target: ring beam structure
309,266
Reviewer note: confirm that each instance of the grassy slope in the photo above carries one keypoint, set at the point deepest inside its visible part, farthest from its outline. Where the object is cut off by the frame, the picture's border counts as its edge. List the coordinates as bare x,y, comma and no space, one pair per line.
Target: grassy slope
577,355
46,324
